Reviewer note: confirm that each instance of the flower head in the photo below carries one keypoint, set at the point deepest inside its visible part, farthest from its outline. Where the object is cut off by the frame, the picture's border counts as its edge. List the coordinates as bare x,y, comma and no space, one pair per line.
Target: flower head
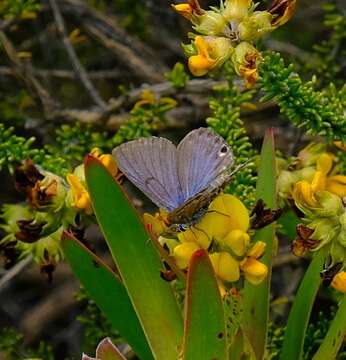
79,196
246,59
223,231
212,52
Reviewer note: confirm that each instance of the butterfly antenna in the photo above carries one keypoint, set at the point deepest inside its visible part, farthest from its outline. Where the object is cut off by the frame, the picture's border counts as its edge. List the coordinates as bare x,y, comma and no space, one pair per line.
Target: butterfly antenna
240,166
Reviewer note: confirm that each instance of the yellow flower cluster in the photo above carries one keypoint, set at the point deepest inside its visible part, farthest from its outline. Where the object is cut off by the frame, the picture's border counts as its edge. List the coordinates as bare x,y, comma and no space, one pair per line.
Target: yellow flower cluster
228,33
223,231
318,191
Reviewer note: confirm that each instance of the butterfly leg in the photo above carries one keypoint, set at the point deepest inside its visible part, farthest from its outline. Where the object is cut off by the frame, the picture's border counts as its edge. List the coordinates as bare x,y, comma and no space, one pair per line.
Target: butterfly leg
198,229
217,212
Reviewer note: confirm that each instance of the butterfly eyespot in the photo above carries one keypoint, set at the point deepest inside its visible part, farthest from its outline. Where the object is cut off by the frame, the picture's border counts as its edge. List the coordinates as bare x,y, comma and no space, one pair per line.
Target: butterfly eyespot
223,151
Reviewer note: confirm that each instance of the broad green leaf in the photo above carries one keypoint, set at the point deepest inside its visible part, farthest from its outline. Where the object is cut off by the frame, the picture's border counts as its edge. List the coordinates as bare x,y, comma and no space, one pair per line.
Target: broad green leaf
256,298
335,335
137,261
106,289
300,313
205,331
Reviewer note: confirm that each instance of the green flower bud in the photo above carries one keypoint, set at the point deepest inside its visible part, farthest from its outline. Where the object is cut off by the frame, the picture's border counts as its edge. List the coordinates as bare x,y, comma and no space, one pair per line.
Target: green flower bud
255,26
325,230
337,252
11,214
47,248
211,23
286,181
237,10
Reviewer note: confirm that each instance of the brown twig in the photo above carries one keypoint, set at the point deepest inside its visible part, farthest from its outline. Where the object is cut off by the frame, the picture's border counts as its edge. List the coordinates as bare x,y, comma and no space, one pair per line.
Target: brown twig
65,74
77,66
24,73
129,50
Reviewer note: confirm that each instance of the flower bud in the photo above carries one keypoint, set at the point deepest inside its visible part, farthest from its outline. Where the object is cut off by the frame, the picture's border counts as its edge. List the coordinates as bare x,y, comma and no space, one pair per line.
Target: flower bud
325,229
255,26
237,10
211,23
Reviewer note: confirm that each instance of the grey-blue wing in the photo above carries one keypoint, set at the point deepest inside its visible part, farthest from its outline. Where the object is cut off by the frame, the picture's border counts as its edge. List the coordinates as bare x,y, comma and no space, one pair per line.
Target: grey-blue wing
202,156
151,165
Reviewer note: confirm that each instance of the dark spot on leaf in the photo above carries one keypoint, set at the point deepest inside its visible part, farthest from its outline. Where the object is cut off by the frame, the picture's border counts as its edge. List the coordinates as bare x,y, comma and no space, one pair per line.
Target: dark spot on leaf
220,335
96,264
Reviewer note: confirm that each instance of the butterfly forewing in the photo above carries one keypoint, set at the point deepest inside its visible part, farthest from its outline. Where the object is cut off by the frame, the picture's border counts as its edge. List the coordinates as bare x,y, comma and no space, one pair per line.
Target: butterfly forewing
151,165
202,157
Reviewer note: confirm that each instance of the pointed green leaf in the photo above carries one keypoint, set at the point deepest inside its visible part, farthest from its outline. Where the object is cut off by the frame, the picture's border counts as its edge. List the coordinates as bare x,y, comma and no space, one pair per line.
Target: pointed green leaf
335,335
256,298
106,289
205,331
137,260
300,313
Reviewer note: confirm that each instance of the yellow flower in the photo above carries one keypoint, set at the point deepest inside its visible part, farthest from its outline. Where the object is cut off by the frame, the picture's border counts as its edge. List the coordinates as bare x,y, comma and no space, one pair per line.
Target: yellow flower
225,266
339,282
156,223
81,198
255,271
183,252
308,193
108,161
211,53
185,10
236,241
336,184
190,10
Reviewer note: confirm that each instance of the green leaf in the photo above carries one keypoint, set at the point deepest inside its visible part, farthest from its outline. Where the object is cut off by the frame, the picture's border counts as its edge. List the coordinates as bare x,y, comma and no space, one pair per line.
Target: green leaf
205,330
106,289
137,260
335,335
256,298
300,313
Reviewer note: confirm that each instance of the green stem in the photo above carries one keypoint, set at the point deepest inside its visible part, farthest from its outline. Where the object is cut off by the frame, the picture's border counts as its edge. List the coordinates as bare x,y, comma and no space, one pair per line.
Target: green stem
335,335
300,313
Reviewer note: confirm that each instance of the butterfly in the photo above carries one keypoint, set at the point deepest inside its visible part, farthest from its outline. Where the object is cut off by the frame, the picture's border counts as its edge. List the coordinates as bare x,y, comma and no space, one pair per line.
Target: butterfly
182,180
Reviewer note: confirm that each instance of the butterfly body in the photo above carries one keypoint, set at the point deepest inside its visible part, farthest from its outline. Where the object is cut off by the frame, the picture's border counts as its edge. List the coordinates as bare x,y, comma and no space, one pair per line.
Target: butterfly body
182,180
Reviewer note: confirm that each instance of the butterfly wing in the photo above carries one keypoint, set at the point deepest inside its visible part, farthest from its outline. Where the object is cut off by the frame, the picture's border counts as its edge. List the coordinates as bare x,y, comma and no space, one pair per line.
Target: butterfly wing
151,165
202,156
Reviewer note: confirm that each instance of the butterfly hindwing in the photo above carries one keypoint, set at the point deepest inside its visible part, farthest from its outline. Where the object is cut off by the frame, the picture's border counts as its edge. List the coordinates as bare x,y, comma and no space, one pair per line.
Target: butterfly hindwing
202,156
151,165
